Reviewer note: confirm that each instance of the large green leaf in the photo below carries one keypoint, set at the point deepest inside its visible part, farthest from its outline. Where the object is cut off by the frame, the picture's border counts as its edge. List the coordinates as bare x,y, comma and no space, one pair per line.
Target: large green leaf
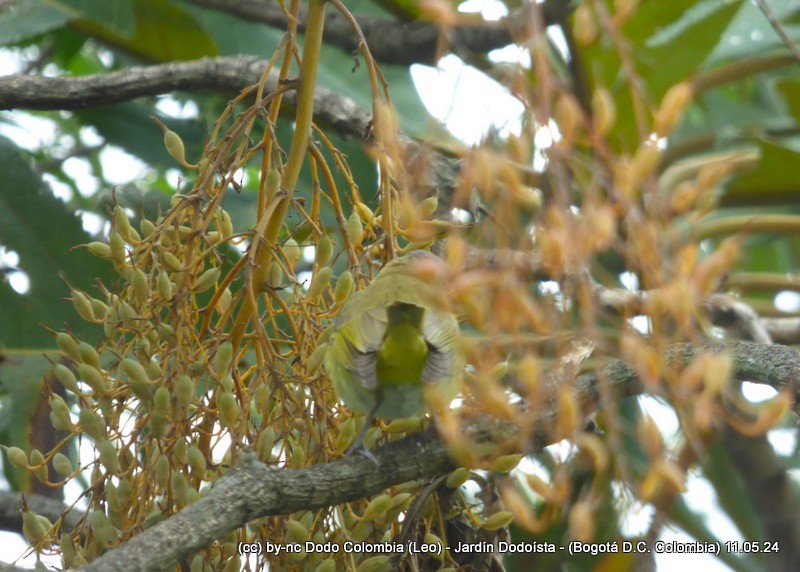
27,19
771,181
667,42
41,230
115,16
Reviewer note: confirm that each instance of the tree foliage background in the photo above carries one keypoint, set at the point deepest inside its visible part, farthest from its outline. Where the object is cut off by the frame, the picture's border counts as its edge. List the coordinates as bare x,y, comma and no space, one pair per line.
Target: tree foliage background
626,246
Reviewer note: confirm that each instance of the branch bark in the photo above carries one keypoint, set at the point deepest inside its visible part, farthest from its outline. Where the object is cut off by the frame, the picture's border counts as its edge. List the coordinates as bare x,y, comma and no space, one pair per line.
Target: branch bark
253,490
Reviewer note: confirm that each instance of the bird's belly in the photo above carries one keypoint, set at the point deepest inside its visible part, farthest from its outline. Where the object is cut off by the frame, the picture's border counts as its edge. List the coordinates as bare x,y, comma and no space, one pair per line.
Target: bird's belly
401,400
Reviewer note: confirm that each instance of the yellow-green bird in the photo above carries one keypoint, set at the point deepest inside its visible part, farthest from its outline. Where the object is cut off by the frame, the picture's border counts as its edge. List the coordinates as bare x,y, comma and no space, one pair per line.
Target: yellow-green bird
393,343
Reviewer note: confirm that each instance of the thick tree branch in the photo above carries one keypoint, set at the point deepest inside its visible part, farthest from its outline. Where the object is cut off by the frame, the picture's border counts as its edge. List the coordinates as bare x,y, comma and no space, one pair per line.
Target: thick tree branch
253,490
390,41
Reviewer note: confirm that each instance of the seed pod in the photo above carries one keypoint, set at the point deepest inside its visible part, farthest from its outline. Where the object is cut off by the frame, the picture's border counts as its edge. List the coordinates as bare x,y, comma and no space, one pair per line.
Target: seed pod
223,358
166,333
82,305
296,532
104,532
354,227
164,285
180,486
273,183
172,262
324,251
585,25
228,409
603,111
158,423
121,223
134,371
498,520
99,308
68,345
505,464
17,457
375,564
88,355
347,431
66,377
92,424
184,391
91,376
197,461
364,213
147,227
118,252
141,290
377,507
319,282
206,280
264,443
457,477
162,471
227,224
298,460
327,565
675,101
99,249
108,456
180,452
275,274
161,400
59,413
292,252
62,465
344,287
427,208
33,528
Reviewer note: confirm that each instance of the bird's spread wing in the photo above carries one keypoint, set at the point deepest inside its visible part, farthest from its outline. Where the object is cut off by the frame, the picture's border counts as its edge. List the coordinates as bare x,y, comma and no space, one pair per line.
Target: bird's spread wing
440,331
357,343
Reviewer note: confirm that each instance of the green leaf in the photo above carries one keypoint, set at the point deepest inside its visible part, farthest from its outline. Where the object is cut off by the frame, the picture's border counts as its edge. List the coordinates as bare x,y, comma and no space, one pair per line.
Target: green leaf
40,229
25,20
771,181
116,16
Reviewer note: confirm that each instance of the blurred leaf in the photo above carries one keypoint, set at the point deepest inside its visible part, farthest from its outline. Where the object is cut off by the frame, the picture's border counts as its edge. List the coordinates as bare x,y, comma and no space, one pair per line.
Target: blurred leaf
25,20
771,181
116,16
21,383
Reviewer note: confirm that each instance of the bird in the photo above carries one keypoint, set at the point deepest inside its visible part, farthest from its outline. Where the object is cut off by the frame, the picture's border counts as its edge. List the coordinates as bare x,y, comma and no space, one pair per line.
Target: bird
394,342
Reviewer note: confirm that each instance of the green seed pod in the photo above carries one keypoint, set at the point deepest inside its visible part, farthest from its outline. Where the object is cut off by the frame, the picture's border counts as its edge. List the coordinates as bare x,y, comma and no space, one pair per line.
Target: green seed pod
147,227
292,252
82,305
362,530
264,443
175,148
166,333
154,518
498,520
405,425
158,423
505,464
172,262
59,413
226,228
180,453
162,472
108,456
400,502
184,391
141,290
427,208
273,183
355,228
92,424
134,371
227,382
275,274
91,376
99,308
327,565
180,486
197,368
319,282
197,461
164,286
88,355
68,345
225,299
377,507
33,529
104,532
298,460
37,460
121,222
117,245
62,465
66,377
153,369
344,287
223,358
206,280
296,532
323,252
364,213
124,490
458,477
228,409
161,400
99,249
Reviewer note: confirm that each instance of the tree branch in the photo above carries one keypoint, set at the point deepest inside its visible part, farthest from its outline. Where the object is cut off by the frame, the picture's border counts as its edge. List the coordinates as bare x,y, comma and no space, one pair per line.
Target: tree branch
390,41
272,491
